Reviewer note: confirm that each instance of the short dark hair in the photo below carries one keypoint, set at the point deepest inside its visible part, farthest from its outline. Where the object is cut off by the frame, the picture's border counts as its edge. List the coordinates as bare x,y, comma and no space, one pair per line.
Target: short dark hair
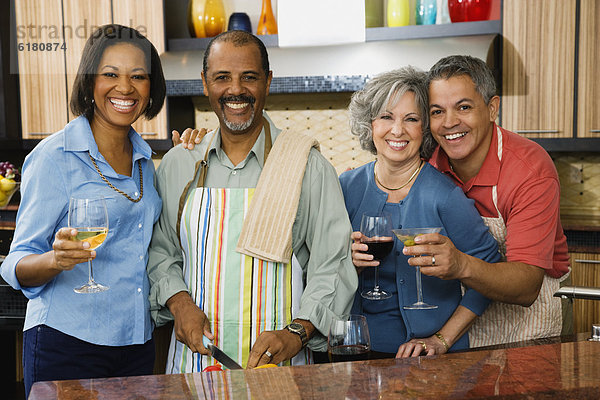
238,38
475,68
105,36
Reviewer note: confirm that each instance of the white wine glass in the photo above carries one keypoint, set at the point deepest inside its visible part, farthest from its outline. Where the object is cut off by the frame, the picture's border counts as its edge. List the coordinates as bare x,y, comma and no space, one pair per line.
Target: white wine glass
407,237
377,233
90,218
348,339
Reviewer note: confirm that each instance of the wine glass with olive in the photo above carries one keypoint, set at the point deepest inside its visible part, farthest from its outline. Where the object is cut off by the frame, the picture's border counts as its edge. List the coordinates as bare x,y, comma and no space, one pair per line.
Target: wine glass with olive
407,237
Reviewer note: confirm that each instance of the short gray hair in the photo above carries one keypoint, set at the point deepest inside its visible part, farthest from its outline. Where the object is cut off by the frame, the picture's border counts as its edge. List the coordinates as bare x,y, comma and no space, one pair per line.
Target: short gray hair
474,68
378,93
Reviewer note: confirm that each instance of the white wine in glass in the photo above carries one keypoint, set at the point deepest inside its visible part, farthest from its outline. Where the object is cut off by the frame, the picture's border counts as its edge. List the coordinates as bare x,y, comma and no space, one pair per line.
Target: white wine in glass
407,237
90,218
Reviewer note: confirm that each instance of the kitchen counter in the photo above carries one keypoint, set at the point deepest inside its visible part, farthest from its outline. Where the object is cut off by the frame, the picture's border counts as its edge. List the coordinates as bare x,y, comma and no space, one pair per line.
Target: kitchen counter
568,370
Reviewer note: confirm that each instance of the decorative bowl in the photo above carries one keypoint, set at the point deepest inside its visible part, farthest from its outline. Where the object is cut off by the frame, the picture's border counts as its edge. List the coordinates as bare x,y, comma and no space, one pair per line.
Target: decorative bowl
6,193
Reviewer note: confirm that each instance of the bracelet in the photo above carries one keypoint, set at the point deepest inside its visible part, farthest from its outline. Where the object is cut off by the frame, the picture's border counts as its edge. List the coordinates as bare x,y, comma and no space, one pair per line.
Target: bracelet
439,336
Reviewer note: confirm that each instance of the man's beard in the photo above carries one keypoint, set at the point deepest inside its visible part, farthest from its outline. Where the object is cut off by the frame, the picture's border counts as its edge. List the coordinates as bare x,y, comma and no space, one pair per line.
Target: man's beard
236,127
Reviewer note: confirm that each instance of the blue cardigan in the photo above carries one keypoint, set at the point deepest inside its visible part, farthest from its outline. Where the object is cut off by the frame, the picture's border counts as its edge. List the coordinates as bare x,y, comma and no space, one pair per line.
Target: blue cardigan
433,201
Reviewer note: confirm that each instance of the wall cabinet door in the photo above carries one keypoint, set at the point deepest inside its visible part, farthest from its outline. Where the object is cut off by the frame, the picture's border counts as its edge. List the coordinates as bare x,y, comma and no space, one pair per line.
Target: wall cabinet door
538,67
81,17
588,111
42,79
585,272
46,77
150,22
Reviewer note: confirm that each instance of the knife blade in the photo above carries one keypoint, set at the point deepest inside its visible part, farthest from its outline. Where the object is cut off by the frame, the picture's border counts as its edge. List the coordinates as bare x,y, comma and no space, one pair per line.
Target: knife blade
221,357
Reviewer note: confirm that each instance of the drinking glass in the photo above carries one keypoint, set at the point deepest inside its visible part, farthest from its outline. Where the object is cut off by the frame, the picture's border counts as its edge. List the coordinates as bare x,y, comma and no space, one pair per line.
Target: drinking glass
376,232
90,218
407,236
349,339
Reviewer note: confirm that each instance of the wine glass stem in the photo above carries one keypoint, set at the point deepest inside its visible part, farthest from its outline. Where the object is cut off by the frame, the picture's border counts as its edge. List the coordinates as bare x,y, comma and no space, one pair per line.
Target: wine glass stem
91,272
419,287
376,288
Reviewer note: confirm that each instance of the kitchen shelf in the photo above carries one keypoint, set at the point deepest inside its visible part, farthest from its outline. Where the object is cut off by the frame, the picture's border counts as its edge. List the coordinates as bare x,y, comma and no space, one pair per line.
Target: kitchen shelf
566,145
157,145
551,145
373,34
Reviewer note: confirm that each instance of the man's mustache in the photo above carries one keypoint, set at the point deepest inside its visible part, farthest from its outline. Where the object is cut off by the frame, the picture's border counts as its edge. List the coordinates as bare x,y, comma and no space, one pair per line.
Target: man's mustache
240,98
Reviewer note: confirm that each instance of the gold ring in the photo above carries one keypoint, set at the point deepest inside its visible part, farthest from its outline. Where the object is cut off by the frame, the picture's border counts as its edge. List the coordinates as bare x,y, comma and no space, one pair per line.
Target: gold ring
423,344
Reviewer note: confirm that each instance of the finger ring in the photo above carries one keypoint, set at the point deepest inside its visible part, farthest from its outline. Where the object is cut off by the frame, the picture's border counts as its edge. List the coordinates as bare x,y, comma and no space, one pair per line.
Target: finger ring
268,354
432,260
424,345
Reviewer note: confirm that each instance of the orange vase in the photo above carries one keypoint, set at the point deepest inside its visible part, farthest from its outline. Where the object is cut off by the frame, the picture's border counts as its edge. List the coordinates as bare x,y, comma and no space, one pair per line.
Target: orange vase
196,18
206,18
267,25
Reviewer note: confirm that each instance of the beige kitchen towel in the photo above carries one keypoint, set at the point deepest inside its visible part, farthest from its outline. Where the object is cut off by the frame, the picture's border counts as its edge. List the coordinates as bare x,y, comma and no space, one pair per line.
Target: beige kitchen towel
267,229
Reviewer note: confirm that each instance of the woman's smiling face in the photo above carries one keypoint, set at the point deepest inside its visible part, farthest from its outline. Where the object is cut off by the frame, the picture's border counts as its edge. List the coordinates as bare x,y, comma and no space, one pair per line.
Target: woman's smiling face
122,87
398,130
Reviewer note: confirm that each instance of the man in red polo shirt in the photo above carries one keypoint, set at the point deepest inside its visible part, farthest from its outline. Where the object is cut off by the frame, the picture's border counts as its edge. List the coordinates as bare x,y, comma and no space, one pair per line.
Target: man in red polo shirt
516,189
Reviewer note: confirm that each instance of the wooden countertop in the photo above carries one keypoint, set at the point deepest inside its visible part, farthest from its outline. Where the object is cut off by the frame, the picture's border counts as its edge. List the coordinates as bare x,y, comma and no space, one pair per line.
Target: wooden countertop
546,371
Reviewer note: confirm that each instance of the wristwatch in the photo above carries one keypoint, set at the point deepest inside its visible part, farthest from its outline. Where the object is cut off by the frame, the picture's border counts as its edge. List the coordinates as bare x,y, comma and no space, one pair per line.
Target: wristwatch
299,330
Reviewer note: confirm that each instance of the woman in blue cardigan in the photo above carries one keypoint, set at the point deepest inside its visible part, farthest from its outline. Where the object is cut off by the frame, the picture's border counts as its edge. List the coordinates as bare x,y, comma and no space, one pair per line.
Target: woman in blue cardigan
389,117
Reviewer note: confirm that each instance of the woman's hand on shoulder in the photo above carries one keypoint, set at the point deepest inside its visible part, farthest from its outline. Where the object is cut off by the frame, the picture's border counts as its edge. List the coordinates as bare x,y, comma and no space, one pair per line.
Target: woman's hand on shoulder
189,138
360,259
68,252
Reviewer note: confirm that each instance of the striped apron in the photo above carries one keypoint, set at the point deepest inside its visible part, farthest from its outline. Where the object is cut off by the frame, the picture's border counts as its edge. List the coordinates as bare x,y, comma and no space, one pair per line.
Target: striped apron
241,296
507,323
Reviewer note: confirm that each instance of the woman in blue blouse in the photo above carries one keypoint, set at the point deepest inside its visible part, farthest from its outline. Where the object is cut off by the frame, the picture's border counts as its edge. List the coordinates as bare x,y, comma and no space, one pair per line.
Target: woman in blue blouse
69,335
389,116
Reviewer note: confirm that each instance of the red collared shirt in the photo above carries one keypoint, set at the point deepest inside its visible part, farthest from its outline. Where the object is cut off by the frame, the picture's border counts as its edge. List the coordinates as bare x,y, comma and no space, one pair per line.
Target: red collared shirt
528,200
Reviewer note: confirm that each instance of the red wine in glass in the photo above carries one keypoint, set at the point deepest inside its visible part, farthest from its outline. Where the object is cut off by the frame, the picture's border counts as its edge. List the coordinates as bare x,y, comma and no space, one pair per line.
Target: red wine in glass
379,248
376,230
349,352
348,338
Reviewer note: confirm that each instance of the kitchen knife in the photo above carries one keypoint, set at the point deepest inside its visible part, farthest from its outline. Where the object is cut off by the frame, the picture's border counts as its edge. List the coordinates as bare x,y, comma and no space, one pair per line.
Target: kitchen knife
220,356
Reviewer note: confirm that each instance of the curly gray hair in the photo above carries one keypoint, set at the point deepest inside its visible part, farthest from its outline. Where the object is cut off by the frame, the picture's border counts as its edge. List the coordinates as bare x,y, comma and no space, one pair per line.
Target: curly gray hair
385,89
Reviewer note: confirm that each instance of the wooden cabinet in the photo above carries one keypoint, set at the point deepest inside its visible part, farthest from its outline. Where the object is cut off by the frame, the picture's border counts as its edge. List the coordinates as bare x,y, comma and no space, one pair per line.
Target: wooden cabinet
148,19
585,272
538,67
80,18
588,111
42,74
549,89
46,76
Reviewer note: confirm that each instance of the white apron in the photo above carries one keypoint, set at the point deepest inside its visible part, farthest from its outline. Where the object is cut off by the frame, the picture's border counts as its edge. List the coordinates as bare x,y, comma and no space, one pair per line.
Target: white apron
241,296
507,323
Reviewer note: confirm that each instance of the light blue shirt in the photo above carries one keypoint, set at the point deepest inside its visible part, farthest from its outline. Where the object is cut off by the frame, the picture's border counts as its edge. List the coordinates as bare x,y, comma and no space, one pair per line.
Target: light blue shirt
56,170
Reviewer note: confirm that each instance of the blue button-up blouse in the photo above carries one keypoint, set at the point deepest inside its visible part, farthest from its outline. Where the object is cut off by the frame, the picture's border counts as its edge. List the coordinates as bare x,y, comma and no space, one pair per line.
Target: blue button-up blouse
56,170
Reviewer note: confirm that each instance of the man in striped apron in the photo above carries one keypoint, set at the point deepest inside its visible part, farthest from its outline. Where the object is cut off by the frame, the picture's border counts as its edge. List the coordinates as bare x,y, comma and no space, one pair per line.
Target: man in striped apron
234,209
515,188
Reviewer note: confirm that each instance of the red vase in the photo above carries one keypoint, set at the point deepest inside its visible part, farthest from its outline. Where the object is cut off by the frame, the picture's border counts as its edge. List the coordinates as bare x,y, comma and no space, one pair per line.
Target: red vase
457,9
478,10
